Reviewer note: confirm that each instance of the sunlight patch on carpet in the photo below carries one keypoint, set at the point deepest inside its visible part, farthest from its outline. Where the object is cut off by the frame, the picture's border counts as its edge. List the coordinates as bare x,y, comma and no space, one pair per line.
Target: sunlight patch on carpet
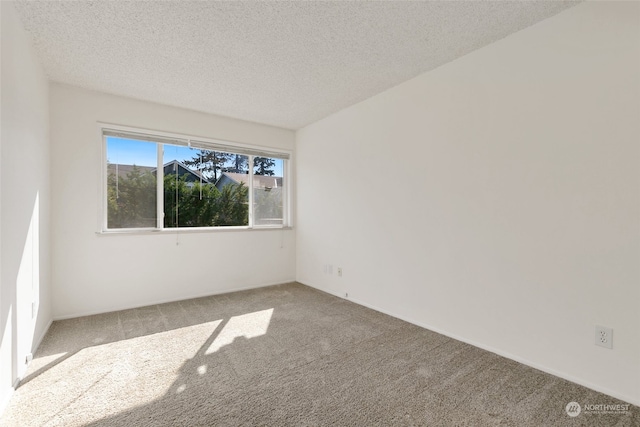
107,379
249,325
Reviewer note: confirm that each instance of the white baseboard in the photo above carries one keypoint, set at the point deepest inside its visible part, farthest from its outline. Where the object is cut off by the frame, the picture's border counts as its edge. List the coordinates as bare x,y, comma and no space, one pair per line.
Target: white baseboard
168,300
35,346
579,381
5,396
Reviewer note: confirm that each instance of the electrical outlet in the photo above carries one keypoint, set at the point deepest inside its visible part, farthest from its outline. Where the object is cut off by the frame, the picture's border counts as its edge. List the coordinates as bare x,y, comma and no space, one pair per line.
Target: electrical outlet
604,337
339,271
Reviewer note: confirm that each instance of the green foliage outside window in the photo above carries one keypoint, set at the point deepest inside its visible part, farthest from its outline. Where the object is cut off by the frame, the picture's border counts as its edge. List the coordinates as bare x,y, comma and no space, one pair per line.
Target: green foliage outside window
132,202
203,205
131,199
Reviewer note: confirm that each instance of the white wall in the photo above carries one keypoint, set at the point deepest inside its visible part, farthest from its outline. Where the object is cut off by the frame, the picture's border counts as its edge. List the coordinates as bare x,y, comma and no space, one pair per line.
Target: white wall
495,199
97,273
24,202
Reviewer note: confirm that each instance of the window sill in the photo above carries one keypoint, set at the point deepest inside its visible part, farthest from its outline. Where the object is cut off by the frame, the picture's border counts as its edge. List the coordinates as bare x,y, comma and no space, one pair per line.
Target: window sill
186,230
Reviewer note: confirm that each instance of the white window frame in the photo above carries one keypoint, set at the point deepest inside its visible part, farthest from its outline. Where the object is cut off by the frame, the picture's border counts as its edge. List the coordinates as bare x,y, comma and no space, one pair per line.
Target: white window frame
161,138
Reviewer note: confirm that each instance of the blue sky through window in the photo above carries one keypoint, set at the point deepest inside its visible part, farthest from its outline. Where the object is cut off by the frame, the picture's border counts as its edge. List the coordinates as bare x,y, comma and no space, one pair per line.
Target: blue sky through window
126,151
131,152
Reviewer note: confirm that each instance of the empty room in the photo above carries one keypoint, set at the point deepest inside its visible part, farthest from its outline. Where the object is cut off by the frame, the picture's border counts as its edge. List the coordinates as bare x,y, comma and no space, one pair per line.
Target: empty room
314,213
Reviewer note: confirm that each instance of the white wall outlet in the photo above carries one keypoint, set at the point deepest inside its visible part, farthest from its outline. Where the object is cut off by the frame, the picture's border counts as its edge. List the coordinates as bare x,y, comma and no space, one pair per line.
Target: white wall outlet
339,271
604,337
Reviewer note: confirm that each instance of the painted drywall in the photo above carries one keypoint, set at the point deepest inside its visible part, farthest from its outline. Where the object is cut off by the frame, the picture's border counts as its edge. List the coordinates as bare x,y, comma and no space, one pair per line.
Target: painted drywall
24,202
495,199
95,273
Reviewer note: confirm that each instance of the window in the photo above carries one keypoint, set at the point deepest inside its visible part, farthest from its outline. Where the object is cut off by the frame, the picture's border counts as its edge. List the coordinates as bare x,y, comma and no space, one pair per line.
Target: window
159,182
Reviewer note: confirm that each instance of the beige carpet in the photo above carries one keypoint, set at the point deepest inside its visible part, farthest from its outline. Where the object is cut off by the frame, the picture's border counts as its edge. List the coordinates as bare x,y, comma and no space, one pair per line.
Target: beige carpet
284,355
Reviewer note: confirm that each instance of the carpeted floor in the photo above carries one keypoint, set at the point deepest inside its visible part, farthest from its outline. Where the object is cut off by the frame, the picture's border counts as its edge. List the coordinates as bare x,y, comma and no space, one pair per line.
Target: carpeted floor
283,355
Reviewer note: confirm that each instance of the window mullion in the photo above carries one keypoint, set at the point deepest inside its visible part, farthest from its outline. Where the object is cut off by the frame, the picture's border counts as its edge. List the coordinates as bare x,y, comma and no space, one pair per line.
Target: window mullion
250,190
105,185
285,193
160,188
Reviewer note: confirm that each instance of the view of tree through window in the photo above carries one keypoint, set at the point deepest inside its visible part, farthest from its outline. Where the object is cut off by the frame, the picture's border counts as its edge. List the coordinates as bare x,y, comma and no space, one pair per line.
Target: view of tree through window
195,196
200,187
131,185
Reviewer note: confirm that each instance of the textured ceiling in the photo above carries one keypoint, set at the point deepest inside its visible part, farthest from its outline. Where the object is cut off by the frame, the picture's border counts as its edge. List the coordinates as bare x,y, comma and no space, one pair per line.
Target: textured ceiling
286,64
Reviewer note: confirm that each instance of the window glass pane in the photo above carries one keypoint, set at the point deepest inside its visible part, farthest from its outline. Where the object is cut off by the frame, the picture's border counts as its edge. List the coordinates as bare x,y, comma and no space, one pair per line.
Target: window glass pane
202,188
268,191
131,183
203,185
